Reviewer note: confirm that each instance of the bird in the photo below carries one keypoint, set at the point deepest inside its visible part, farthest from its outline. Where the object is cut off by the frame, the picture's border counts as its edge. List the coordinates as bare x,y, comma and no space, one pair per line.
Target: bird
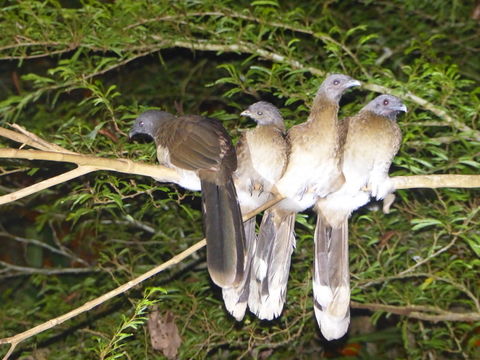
201,151
313,171
262,157
370,139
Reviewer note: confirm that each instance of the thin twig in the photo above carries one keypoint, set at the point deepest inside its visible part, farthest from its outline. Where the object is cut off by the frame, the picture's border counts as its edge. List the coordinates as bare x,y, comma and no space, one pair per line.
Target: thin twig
22,139
29,270
38,142
417,312
39,244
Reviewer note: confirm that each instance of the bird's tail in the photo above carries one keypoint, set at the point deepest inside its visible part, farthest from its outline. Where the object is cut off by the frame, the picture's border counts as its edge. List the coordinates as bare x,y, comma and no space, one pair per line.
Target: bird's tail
236,297
331,279
223,226
271,264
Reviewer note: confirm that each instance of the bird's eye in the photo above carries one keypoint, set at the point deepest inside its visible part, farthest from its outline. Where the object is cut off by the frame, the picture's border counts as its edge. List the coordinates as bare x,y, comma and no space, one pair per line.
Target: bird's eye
336,82
259,113
385,102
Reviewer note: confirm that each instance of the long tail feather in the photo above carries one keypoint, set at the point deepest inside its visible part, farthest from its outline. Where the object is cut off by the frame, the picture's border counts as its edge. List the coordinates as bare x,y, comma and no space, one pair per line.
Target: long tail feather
331,279
236,297
223,226
271,264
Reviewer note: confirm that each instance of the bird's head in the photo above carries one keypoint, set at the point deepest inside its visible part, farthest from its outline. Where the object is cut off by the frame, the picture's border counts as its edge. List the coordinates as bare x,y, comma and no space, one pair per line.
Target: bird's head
264,113
147,123
386,105
335,85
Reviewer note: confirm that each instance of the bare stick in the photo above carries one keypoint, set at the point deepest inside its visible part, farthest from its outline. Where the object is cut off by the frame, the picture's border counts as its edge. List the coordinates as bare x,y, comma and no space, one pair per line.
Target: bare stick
15,340
169,175
436,181
420,312
264,207
21,138
38,142
43,245
52,271
42,185
162,173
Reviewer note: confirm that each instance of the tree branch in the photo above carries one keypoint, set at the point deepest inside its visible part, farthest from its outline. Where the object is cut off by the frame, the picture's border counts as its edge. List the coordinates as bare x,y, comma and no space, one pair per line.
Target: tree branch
252,49
29,138
249,48
15,340
86,164
31,270
436,181
89,164
420,312
35,242
45,184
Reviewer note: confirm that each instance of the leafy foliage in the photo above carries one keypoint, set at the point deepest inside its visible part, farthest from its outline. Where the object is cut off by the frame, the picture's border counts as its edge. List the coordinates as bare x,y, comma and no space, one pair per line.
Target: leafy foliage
78,72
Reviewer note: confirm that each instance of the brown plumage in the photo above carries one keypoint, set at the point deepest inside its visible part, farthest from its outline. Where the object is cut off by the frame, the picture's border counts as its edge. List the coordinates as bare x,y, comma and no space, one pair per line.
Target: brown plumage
201,151
370,141
262,156
313,171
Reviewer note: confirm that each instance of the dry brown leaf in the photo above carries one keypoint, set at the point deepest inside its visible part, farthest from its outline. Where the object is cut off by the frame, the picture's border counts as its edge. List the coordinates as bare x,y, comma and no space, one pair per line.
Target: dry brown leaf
164,334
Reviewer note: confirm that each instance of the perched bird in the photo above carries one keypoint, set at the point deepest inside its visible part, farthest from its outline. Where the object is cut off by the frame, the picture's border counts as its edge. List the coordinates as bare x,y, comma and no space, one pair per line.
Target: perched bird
201,151
313,171
262,157
370,140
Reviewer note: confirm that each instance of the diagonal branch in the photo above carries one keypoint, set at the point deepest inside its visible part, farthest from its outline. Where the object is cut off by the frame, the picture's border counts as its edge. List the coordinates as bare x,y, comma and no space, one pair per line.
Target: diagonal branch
17,339
45,184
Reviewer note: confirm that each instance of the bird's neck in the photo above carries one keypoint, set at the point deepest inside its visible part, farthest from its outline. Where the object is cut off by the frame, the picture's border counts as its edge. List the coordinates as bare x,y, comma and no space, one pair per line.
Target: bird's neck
324,112
271,127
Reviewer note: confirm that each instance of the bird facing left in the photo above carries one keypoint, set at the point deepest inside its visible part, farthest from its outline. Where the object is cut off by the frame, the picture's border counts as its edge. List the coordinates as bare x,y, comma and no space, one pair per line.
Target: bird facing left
201,151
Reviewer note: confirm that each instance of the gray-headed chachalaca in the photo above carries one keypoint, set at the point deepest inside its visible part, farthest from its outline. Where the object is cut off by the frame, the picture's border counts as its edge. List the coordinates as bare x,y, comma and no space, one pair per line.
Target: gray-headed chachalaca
201,151
313,171
262,157
371,139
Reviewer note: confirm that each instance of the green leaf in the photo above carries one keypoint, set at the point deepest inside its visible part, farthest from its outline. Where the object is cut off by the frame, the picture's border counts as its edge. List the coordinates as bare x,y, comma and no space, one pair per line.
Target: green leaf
422,223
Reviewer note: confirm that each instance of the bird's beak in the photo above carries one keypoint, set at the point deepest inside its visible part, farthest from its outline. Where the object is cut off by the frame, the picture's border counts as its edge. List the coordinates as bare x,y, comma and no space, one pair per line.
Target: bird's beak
131,134
134,135
353,82
401,108
245,113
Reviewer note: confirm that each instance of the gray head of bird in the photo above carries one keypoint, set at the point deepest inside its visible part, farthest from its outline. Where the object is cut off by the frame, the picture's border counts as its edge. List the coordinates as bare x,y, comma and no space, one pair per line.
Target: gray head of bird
386,105
146,124
265,113
335,85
